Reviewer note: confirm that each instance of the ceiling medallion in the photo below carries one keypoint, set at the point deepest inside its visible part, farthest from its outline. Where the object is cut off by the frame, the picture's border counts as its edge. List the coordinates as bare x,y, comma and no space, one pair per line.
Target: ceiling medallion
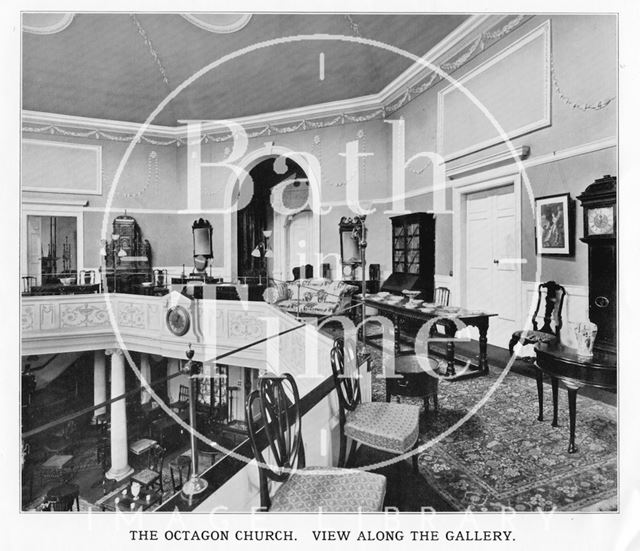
218,22
46,23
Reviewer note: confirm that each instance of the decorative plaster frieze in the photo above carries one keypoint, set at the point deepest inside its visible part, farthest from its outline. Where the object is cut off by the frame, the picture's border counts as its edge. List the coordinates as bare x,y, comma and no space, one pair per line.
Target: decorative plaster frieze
458,48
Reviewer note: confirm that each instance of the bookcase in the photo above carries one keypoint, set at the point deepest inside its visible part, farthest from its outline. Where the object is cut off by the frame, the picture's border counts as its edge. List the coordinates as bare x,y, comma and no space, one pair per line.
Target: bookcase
413,251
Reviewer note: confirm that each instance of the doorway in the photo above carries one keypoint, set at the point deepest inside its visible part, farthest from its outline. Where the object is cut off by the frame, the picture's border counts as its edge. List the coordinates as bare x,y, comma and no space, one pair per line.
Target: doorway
51,247
487,245
260,255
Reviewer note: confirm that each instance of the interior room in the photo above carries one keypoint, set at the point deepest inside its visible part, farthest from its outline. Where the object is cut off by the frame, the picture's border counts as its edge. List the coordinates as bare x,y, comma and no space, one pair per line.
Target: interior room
392,236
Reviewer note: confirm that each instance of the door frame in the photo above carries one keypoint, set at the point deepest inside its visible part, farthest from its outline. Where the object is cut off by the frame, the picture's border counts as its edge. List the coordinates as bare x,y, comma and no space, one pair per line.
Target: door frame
43,209
269,150
460,192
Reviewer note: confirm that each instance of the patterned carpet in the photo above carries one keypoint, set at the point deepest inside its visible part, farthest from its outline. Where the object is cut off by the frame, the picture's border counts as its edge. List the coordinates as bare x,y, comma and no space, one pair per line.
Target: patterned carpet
502,457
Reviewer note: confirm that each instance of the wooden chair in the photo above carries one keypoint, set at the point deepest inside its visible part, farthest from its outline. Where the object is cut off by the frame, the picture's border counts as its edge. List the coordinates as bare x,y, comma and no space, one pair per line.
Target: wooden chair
62,498
303,272
88,277
152,475
553,299
384,426
302,489
183,400
441,296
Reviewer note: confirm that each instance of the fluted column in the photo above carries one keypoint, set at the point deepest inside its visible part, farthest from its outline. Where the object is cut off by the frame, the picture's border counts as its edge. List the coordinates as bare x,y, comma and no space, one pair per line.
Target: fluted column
145,370
99,382
119,446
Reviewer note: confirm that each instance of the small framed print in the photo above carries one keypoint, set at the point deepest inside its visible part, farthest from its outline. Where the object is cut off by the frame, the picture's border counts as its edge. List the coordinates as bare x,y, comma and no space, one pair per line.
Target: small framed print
555,225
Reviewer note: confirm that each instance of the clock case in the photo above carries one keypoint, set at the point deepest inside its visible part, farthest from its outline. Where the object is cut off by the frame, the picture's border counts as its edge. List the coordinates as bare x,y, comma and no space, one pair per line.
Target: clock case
603,303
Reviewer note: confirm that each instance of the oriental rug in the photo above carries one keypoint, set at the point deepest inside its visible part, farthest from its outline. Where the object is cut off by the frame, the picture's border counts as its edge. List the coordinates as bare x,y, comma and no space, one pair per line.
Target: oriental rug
503,458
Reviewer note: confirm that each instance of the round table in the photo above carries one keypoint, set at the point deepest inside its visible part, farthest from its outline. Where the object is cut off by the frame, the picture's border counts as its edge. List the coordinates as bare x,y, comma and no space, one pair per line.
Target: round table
563,363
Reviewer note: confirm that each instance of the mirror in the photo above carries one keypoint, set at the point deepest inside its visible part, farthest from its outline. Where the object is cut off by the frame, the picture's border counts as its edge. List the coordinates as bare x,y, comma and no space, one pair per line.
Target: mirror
202,243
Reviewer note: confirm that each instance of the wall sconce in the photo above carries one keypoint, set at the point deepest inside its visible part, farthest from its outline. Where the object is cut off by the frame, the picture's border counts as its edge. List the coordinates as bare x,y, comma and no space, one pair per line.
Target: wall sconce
263,251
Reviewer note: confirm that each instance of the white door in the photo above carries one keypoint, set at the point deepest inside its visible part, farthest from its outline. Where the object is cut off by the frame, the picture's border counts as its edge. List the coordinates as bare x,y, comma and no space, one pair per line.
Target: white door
492,276
299,241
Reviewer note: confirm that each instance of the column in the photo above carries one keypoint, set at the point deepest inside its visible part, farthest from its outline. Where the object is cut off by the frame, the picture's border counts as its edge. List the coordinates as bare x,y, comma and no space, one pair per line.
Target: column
119,446
99,382
145,370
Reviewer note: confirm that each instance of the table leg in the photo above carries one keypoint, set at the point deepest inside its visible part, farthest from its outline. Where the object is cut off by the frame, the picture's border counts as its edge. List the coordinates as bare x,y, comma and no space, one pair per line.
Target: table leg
540,394
483,328
554,390
572,393
450,331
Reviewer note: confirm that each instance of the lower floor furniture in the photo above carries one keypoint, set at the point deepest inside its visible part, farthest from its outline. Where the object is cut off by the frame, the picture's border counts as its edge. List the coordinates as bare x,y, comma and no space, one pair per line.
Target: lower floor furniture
180,469
123,499
413,381
62,498
563,363
167,433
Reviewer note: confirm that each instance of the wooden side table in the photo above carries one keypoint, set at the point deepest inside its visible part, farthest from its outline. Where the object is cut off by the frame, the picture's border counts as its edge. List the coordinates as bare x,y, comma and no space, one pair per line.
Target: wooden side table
562,363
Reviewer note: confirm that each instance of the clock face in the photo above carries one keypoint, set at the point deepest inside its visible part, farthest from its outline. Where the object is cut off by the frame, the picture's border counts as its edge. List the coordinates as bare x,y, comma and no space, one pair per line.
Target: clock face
178,320
347,270
600,221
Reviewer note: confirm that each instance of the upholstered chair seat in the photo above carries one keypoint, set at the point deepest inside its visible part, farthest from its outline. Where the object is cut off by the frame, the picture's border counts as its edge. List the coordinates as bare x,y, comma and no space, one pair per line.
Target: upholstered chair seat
317,489
384,426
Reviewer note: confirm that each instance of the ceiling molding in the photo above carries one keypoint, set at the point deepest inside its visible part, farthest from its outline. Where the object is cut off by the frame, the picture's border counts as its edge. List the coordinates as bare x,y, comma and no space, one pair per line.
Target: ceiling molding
346,109
64,21
240,23
475,24
88,123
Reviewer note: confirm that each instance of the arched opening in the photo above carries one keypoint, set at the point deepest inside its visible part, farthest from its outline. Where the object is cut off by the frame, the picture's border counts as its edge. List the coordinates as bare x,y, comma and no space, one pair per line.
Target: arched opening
279,181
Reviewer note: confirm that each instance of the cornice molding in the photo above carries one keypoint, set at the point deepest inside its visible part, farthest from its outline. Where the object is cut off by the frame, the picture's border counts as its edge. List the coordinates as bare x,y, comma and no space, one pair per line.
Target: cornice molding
360,109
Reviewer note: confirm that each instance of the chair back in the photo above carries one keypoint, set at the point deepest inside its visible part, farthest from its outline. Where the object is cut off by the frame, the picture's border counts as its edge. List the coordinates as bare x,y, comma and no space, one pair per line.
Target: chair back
156,458
303,272
183,396
87,277
27,283
275,407
54,504
347,384
160,278
553,301
441,296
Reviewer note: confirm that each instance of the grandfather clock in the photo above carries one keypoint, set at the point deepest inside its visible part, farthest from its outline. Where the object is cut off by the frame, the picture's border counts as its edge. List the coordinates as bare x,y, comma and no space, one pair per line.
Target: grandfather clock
599,208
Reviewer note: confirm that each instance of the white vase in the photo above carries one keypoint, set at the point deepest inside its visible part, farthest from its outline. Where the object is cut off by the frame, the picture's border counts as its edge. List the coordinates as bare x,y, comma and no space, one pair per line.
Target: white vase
586,332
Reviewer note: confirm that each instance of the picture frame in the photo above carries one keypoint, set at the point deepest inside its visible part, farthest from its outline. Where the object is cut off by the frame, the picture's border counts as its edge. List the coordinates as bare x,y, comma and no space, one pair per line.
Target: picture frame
555,225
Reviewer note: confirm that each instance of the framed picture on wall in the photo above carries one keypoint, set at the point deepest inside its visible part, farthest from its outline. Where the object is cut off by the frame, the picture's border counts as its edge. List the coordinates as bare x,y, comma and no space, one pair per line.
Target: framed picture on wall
555,225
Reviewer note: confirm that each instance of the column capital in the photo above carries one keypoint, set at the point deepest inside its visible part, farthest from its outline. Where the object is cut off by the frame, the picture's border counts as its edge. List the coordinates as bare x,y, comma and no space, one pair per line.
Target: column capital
114,351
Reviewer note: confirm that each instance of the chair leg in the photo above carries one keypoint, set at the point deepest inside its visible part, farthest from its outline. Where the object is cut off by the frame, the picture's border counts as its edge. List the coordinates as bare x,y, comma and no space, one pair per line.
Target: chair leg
343,449
554,390
414,457
352,454
539,383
